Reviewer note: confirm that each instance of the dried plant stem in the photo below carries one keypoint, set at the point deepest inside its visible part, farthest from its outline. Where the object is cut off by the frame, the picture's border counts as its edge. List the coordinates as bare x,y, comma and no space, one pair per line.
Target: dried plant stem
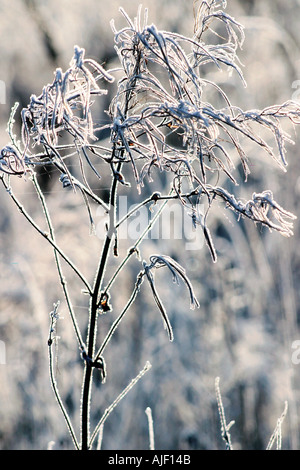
155,197
133,211
148,412
120,317
108,410
166,69
70,180
88,372
54,316
58,263
224,426
100,437
133,249
10,125
277,431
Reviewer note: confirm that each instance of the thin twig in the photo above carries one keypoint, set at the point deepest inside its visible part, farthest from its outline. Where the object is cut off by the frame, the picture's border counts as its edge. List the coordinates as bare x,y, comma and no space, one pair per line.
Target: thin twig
119,318
53,318
277,431
57,261
224,427
133,249
148,412
108,410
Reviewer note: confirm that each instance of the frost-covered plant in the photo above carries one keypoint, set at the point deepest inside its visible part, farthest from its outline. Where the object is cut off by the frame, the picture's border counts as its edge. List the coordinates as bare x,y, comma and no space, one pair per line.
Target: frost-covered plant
162,94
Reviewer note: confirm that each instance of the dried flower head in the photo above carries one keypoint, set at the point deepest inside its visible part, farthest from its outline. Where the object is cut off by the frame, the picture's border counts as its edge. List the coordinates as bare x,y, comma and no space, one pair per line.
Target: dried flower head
162,93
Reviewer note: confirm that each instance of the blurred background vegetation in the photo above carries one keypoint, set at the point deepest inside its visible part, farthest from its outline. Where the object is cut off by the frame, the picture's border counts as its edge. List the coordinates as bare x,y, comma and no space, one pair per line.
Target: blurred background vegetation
250,301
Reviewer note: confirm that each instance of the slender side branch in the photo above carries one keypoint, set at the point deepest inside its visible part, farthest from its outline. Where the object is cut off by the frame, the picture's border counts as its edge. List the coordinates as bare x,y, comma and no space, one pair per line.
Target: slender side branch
133,249
53,319
108,410
58,264
148,412
277,431
224,426
155,197
118,320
